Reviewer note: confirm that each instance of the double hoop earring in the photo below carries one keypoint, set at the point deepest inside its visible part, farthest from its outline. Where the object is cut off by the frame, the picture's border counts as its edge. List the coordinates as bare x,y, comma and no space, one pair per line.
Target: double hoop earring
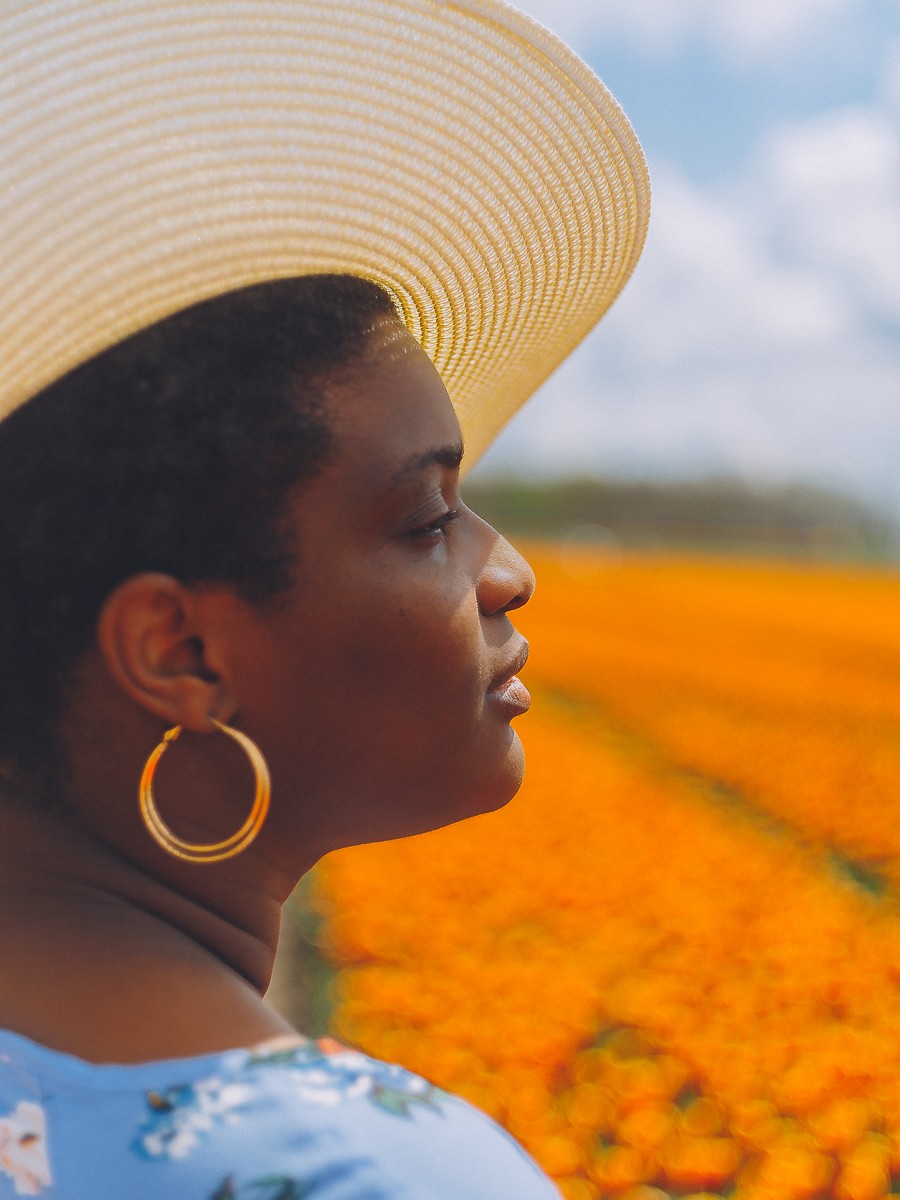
198,852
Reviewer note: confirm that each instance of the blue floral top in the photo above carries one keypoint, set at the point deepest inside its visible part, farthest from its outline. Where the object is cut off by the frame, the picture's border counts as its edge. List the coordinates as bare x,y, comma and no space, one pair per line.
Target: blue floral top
290,1120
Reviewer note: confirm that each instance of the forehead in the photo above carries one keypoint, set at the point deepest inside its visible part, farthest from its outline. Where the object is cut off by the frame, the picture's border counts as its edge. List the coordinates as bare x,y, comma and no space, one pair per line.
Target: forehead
391,413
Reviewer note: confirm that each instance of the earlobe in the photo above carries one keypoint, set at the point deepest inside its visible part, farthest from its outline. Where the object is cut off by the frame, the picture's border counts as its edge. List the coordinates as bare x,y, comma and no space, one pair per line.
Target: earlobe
152,648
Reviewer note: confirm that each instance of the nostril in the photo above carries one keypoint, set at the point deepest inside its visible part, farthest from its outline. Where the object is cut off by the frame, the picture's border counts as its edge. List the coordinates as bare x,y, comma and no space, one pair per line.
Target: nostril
504,592
518,600
527,584
507,580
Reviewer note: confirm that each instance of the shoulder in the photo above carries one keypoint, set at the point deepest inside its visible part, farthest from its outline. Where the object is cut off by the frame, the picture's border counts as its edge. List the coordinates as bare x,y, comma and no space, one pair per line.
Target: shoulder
328,1122
106,984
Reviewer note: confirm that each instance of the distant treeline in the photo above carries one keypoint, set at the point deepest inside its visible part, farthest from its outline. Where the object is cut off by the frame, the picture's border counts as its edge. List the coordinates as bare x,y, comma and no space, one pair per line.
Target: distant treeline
712,514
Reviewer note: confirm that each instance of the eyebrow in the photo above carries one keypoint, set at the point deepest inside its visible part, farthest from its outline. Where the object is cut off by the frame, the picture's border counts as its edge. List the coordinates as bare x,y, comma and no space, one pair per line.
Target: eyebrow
449,456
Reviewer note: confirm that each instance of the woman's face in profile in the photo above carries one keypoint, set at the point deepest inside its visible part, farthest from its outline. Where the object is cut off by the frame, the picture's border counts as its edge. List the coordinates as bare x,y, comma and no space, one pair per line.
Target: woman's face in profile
380,689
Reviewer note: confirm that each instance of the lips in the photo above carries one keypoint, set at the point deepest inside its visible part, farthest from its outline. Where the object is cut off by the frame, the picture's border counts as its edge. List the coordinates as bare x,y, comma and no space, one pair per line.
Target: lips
507,687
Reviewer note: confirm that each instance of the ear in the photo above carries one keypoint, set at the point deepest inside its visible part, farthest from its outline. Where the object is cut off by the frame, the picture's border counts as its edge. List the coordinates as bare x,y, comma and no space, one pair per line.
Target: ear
150,636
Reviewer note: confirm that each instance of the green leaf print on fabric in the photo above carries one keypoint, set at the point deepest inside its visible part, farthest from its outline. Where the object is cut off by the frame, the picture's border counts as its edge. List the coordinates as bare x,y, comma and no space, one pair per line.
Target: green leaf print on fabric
328,1073
319,1072
271,1187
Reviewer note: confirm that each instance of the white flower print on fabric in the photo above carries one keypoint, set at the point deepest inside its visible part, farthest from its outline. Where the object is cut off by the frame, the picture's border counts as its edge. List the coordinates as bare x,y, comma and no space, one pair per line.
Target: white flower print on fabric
325,1072
180,1115
23,1148
321,1072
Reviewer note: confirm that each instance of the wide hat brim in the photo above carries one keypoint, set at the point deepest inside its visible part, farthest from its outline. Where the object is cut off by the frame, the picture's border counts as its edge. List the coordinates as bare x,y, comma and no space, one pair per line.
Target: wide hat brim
155,153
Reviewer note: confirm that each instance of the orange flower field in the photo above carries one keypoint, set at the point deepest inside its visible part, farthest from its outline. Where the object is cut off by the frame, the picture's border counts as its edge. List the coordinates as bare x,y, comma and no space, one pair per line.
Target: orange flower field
671,966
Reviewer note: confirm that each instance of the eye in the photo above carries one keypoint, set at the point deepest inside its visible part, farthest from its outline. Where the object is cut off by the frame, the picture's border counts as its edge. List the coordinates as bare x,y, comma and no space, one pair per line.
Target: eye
437,527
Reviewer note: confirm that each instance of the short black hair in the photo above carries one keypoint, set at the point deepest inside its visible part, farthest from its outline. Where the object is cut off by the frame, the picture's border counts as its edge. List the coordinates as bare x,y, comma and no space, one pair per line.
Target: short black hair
176,450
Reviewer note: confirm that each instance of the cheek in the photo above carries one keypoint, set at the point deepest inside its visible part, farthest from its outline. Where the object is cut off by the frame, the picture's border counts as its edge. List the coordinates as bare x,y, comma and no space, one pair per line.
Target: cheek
413,658
376,686
381,722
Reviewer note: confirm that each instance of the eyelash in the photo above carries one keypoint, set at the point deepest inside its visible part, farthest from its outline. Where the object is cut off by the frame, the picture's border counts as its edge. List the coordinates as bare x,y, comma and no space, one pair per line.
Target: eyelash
440,525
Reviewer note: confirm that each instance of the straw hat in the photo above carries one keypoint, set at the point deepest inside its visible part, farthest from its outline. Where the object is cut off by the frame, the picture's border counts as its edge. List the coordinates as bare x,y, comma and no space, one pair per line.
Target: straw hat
154,153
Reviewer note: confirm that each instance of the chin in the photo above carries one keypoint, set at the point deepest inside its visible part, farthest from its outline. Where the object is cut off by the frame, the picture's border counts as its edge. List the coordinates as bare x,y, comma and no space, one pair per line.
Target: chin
493,790
513,774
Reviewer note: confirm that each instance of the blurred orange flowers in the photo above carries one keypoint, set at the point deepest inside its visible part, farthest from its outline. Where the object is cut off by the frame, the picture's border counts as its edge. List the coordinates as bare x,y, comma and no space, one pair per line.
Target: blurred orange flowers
671,967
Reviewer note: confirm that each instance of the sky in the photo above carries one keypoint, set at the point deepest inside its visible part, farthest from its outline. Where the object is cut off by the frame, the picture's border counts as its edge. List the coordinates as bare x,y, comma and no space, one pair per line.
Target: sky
760,334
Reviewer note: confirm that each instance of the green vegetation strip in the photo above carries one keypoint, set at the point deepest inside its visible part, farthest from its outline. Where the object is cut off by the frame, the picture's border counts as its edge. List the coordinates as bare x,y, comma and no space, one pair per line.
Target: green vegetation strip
302,989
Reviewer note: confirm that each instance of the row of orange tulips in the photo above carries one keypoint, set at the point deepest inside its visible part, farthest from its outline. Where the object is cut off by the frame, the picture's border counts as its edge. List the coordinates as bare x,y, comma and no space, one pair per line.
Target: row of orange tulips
657,992
780,683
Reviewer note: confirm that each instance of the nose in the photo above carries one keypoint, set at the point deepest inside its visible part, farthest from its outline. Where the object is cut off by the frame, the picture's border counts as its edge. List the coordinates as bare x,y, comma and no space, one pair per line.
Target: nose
506,581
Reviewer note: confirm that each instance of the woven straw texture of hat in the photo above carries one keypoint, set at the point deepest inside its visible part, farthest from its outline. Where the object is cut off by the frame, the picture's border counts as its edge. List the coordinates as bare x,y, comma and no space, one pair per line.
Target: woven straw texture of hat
154,153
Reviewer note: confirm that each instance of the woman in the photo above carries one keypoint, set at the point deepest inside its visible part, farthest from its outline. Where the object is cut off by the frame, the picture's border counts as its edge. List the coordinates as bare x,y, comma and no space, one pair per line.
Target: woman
231,537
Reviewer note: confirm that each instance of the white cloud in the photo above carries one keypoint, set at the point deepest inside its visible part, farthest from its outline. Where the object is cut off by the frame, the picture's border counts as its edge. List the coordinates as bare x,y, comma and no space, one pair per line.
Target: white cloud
710,288
758,27
837,179
830,417
744,29
740,345
761,332
891,75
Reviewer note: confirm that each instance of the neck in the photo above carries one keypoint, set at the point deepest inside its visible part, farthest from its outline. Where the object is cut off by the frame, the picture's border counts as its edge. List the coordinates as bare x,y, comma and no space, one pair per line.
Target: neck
147,970
45,858
154,957
231,910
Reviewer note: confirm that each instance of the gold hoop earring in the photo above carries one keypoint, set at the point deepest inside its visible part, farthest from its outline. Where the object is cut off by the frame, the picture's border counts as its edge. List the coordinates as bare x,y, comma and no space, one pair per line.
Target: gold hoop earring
197,852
